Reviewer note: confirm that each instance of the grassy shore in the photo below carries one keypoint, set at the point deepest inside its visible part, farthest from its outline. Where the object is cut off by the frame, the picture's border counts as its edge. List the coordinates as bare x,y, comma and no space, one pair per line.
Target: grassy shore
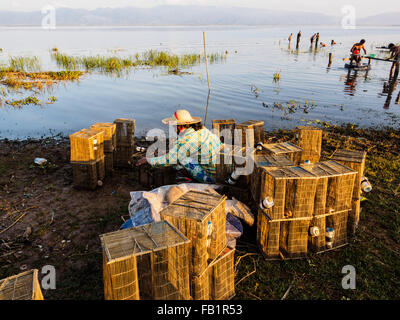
66,223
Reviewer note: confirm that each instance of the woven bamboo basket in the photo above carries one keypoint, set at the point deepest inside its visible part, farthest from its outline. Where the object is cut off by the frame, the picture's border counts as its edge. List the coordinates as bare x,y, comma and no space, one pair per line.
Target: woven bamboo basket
150,177
251,133
123,156
225,130
125,132
222,276
293,192
285,148
110,138
87,174
23,286
310,140
228,157
86,145
265,161
146,262
109,163
332,201
356,160
217,282
200,285
192,213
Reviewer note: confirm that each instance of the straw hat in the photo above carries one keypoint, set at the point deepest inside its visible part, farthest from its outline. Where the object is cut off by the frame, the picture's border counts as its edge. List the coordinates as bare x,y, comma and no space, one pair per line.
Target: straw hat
181,117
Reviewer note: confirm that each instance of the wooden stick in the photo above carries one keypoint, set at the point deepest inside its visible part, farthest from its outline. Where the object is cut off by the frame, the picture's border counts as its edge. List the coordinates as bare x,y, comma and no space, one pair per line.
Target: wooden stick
205,56
330,59
287,292
14,223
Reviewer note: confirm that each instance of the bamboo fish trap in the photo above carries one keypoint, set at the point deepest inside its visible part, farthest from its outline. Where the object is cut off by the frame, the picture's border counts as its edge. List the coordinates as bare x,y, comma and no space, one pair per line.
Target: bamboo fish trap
292,190
125,148
249,133
310,140
292,151
146,262
217,282
356,160
333,201
228,158
109,135
225,130
86,175
87,158
265,161
86,145
200,216
109,144
125,132
23,286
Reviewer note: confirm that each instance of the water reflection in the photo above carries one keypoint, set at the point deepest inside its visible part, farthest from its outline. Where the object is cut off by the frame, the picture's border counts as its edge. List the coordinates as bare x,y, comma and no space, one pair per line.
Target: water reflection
389,88
350,83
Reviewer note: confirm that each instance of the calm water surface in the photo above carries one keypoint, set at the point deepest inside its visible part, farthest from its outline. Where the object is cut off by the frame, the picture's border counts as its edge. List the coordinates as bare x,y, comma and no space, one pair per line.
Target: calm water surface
242,87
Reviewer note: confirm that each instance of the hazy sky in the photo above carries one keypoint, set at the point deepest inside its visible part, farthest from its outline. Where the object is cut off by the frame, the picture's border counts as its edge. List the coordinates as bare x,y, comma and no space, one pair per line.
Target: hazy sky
363,7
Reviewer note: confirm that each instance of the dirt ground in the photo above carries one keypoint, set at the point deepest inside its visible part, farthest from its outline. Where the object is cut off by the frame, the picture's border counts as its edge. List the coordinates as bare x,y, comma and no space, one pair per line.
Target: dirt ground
44,220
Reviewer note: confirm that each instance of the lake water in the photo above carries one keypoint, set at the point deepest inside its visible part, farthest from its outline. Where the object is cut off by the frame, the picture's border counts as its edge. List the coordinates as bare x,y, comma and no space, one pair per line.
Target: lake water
242,86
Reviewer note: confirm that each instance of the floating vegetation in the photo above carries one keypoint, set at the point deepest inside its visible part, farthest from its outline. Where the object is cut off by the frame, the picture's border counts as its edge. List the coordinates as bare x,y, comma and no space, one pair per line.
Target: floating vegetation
51,100
16,80
255,90
118,65
23,102
291,107
24,73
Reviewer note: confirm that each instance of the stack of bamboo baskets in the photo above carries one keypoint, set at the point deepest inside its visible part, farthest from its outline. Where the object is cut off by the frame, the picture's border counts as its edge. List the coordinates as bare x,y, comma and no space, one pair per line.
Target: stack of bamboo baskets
201,217
95,151
125,142
307,197
87,158
23,286
146,262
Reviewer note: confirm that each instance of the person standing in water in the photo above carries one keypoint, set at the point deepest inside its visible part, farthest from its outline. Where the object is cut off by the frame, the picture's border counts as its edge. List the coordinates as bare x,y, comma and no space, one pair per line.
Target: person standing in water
395,55
312,38
356,52
298,39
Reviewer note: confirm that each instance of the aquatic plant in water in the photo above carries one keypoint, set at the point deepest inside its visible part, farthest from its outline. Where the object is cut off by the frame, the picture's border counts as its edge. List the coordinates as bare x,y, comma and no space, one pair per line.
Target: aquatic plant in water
291,107
119,65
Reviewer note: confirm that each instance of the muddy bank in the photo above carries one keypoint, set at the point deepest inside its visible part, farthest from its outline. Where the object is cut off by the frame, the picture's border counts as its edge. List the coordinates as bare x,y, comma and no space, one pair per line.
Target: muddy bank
45,221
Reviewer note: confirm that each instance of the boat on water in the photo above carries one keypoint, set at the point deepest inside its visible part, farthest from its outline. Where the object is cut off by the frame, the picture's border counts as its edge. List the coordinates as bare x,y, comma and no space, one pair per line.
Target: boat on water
363,66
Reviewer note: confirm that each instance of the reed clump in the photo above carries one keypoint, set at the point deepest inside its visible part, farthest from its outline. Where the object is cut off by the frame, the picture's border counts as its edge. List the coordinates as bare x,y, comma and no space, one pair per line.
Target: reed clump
118,65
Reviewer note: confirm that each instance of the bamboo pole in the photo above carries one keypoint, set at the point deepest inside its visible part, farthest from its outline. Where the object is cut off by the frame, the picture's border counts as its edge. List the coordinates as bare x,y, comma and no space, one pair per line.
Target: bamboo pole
330,59
205,56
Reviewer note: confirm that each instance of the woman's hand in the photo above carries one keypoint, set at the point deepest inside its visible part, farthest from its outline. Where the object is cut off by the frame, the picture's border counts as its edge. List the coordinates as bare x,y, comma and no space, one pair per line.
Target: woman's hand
141,162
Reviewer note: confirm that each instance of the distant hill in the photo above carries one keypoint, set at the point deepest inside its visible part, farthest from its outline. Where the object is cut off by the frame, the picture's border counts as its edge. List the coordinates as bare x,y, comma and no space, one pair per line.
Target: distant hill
169,15
385,19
